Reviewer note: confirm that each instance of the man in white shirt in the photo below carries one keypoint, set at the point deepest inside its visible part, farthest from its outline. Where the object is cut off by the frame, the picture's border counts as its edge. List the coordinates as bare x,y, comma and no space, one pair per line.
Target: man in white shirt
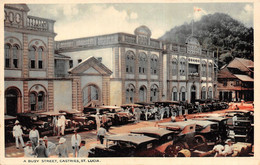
34,137
59,124
75,143
49,145
63,124
218,149
17,134
83,151
97,117
28,151
228,149
101,133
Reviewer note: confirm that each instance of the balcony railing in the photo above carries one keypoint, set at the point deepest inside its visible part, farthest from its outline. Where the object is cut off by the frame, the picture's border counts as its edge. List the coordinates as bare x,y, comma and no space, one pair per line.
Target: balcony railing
39,24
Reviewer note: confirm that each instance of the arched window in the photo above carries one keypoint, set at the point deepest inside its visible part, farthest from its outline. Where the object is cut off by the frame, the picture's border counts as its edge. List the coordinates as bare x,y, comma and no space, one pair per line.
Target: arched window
174,66
40,60
7,56
210,69
90,93
154,64
15,56
182,94
182,67
32,56
142,63
203,69
33,101
210,94
154,93
142,94
130,92
174,94
41,100
130,62
203,93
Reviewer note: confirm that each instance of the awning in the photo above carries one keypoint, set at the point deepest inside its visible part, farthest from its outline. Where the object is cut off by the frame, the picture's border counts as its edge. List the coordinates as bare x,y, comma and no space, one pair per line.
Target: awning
244,78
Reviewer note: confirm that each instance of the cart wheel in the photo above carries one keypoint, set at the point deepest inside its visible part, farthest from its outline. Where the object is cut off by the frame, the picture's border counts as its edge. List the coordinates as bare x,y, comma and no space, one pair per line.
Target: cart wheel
172,150
200,142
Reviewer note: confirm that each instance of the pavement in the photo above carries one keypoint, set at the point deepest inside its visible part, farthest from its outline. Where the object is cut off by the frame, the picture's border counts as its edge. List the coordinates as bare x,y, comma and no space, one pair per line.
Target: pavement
91,138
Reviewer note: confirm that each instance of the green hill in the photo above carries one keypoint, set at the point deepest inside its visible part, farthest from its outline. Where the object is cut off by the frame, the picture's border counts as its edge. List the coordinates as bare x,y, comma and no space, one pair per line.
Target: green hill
221,30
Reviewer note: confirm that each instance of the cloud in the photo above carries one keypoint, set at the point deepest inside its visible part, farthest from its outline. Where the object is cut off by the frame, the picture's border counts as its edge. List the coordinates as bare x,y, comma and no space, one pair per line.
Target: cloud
70,10
97,20
246,15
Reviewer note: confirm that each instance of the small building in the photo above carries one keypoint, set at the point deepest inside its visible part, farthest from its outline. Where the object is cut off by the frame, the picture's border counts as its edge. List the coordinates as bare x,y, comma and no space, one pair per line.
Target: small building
236,81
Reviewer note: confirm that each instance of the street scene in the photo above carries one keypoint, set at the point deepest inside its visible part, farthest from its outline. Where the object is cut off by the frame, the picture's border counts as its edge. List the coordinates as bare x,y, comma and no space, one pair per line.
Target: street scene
133,89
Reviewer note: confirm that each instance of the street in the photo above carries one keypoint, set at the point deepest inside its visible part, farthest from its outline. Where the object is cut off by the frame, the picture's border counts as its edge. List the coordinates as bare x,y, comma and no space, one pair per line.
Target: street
90,136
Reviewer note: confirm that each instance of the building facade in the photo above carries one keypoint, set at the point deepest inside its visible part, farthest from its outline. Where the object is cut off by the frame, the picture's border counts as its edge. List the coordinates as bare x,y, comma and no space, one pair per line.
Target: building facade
46,75
236,81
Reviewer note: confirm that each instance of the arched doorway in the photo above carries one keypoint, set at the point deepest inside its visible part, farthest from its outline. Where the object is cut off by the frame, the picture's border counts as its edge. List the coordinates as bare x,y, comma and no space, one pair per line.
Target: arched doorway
193,94
13,101
154,93
91,93
142,94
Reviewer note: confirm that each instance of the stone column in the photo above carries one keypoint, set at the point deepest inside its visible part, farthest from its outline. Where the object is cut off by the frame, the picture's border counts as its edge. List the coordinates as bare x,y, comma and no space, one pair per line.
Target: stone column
148,93
50,59
123,72
25,97
105,90
25,57
160,76
136,96
51,96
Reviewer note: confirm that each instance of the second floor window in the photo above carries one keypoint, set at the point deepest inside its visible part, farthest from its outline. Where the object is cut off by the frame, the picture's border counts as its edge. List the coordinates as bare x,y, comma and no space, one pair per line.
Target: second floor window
36,57
142,63
12,56
154,64
182,67
130,62
174,67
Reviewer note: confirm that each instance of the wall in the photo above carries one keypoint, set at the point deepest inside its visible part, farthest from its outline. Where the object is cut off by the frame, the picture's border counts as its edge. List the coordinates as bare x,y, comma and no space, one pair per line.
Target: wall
62,94
115,93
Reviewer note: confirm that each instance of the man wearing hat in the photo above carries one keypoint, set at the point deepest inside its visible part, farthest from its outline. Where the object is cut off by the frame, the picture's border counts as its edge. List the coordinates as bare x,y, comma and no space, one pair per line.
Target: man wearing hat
75,142
83,151
101,132
28,151
34,137
49,145
62,149
17,133
228,149
40,151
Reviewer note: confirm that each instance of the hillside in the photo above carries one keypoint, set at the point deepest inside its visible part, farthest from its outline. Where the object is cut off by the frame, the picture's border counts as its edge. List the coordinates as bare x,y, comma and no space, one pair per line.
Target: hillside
230,35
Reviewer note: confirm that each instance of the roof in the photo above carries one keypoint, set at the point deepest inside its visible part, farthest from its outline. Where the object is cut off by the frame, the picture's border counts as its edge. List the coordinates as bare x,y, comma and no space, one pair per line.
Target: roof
88,63
181,124
203,123
135,139
61,56
225,73
241,64
51,113
70,111
8,117
152,130
244,78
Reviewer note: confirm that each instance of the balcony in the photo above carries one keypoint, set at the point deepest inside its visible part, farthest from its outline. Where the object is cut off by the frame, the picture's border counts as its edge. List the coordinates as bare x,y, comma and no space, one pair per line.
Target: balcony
194,76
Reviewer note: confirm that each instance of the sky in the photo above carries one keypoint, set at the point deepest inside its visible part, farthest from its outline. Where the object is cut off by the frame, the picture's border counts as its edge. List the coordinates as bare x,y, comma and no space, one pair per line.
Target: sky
90,19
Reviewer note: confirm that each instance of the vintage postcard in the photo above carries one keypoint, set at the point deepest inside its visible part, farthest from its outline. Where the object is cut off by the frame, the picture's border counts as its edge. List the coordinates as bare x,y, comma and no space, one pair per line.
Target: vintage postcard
137,82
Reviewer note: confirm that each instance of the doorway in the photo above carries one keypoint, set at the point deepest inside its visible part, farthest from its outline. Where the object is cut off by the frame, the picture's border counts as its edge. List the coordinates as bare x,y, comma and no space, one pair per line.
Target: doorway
12,96
193,94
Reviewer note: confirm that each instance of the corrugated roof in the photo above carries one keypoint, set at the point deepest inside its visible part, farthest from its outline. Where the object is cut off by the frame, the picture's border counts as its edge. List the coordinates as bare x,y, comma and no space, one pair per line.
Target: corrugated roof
241,64
244,78
225,73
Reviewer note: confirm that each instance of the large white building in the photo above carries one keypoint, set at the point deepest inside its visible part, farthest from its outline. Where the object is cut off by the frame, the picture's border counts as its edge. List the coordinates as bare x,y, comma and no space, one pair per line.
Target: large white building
45,75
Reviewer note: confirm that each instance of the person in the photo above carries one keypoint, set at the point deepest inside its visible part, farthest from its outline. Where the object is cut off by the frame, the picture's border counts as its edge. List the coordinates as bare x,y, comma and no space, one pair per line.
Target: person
83,151
101,134
40,151
173,117
62,149
138,114
49,145
63,124
179,110
97,117
228,149
18,134
162,110
218,149
104,121
157,117
34,137
146,113
75,142
167,109
28,151
59,124
55,125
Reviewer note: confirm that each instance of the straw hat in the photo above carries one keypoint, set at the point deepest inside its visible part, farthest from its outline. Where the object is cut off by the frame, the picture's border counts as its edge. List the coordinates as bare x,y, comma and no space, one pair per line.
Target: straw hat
62,140
45,138
16,122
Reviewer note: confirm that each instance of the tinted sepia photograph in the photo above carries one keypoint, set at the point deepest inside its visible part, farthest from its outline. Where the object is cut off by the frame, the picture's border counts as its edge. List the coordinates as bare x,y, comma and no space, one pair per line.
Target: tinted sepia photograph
127,80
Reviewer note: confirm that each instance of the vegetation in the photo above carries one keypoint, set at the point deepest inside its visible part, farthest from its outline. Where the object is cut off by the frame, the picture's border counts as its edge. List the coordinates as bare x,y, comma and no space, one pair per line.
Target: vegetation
217,31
